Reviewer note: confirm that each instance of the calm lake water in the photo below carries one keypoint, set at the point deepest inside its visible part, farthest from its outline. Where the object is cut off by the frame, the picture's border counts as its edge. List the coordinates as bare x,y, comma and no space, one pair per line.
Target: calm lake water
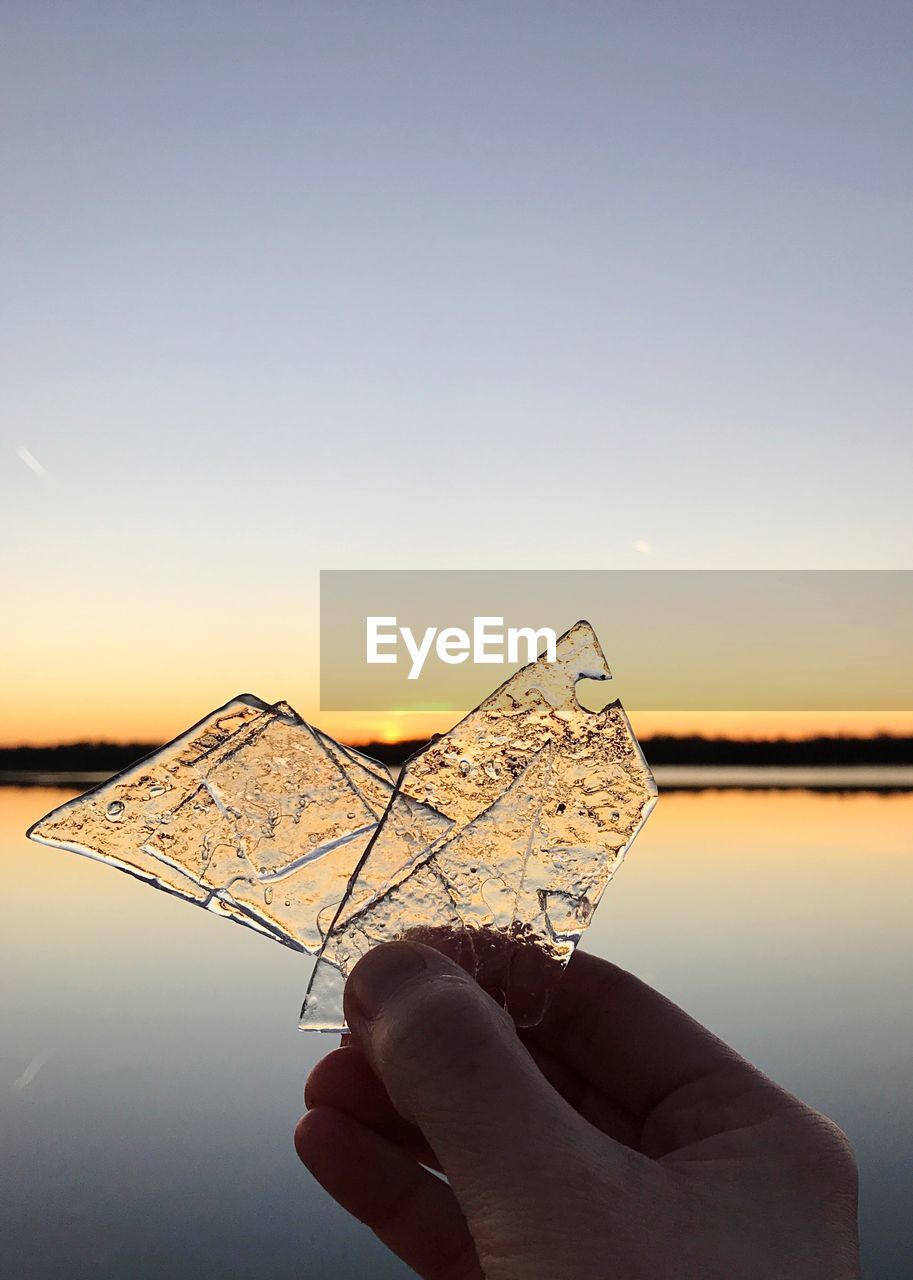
151,1069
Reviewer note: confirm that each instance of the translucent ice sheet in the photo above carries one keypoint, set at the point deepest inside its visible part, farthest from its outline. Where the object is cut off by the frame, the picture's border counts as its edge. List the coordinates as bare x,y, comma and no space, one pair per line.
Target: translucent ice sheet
543,798
495,844
252,814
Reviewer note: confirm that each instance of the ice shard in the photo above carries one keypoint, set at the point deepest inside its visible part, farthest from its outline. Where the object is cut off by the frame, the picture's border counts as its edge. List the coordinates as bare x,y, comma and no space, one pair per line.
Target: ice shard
252,814
495,844
543,798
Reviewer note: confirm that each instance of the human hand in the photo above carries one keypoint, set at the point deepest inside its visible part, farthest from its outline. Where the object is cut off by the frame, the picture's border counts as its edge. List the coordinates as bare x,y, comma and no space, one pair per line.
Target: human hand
618,1139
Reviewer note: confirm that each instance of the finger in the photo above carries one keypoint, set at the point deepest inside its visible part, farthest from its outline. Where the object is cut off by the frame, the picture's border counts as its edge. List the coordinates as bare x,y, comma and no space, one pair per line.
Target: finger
344,1081
414,1213
591,1103
627,1040
451,1062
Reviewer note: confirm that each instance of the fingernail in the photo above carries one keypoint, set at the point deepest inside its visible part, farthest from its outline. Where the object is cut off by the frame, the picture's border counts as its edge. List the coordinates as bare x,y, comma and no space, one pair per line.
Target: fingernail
379,975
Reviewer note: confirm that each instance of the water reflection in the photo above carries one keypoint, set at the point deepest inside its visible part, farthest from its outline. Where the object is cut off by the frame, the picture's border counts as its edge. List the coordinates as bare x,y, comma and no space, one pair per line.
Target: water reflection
151,1069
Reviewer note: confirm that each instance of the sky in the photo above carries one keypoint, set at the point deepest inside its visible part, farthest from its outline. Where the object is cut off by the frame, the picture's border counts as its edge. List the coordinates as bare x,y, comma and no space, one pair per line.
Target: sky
293,286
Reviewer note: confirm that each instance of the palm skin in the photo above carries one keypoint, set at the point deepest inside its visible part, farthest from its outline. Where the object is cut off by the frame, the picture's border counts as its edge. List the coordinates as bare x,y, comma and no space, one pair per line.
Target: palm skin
618,1139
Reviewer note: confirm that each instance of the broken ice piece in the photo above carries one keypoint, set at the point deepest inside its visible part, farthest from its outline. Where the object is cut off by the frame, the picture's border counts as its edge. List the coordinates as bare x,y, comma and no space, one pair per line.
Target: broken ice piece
252,814
544,798
495,845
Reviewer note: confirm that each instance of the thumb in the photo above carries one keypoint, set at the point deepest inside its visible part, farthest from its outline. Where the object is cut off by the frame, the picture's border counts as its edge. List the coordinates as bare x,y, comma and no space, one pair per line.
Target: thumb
450,1060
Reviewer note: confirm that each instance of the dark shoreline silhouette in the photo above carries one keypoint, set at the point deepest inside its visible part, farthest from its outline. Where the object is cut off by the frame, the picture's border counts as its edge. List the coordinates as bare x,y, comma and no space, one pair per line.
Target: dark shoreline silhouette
818,752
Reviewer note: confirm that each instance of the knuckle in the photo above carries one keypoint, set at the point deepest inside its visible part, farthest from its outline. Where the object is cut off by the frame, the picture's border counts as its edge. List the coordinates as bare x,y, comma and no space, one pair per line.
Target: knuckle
836,1149
815,1142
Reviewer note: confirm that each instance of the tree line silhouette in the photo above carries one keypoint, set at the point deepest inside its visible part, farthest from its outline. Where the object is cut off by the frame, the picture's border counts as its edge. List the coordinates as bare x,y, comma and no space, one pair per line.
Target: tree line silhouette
665,749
